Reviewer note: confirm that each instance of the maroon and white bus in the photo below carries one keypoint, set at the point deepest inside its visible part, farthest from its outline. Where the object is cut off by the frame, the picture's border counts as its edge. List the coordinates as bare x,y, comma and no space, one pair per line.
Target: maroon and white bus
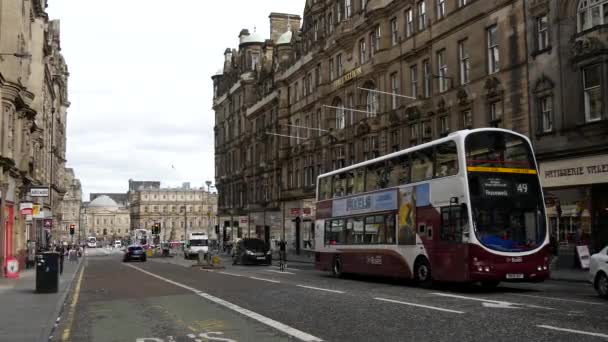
464,208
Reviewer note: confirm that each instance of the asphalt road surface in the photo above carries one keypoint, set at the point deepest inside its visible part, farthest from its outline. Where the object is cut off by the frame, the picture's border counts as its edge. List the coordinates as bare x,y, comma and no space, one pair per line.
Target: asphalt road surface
166,300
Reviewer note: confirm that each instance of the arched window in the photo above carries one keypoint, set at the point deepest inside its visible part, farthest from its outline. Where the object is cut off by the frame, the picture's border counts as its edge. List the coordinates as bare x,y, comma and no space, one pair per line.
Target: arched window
592,13
340,115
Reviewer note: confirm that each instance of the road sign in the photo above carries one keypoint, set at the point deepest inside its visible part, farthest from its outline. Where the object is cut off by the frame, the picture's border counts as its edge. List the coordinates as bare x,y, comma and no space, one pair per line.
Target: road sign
39,192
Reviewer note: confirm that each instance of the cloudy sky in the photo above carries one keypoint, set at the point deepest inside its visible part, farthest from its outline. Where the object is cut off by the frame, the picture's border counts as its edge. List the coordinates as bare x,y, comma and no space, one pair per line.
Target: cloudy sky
140,86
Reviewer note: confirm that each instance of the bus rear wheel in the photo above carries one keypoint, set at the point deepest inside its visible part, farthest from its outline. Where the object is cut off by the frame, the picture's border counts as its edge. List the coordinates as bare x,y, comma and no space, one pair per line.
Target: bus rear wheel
336,268
422,272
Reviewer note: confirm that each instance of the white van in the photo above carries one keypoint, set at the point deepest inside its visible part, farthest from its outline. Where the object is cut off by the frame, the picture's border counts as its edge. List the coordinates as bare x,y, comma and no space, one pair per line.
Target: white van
196,242
117,244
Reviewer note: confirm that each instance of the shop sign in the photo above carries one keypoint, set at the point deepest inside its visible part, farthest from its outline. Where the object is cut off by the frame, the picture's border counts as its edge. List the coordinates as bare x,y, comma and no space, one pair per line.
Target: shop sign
347,77
243,220
39,192
36,212
26,208
369,203
577,171
306,211
294,211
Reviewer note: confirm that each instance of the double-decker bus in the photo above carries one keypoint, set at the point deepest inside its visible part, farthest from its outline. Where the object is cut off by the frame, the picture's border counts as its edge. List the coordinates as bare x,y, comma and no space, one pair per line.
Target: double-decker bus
464,208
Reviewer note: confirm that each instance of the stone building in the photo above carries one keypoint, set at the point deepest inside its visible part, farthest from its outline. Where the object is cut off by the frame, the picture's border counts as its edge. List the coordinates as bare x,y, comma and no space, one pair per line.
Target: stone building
70,209
104,219
33,87
179,211
456,64
568,75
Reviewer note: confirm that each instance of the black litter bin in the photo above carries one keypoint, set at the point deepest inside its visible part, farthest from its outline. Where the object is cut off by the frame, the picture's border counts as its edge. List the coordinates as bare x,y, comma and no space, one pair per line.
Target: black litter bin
47,272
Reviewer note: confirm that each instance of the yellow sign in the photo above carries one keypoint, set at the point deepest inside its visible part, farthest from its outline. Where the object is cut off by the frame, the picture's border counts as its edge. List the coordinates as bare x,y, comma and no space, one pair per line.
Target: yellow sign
36,210
500,170
347,77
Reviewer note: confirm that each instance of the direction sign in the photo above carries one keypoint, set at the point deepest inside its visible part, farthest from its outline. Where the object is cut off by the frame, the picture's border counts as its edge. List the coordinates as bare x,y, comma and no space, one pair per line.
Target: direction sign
39,192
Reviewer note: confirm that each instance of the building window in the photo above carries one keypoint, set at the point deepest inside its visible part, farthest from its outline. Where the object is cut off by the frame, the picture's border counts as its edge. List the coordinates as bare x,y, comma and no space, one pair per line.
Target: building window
409,22
350,102
331,69
330,23
394,32
349,8
463,60
444,125
394,141
546,113
543,32
442,71
414,80
440,9
592,13
255,59
414,132
340,115
296,89
318,75
593,93
467,118
421,15
394,90
372,104
319,122
493,57
375,40
462,3
426,70
339,68
362,52
427,131
495,111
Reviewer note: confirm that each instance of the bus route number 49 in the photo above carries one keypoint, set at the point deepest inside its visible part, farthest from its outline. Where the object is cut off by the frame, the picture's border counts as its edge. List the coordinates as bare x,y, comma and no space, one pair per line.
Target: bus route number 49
522,188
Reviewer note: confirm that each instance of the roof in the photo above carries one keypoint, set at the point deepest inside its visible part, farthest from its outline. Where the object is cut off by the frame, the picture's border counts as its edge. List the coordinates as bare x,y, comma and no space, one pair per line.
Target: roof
252,38
285,38
103,202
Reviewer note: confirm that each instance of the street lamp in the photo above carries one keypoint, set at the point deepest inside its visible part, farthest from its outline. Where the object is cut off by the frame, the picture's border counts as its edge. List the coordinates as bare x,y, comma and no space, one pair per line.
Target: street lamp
208,185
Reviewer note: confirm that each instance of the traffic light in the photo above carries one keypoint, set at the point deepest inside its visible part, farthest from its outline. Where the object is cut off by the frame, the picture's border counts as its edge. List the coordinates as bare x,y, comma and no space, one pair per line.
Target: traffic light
72,229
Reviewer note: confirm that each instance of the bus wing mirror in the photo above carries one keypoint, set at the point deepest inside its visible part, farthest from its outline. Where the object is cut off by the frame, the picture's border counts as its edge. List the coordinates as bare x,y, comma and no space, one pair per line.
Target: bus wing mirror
453,200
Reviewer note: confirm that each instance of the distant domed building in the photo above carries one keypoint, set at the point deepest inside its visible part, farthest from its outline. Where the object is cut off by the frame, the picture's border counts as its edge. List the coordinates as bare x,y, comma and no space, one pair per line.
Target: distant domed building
105,219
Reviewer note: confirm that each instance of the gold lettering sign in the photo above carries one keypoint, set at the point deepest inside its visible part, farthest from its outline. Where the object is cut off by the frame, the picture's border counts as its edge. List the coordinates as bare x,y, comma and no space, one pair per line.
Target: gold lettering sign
347,77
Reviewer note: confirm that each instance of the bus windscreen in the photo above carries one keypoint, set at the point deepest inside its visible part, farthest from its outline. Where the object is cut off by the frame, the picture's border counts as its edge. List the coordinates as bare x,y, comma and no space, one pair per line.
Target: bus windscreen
506,196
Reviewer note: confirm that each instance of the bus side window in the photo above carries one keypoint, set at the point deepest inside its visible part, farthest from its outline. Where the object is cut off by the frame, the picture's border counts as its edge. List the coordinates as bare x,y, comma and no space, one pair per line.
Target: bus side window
446,155
422,165
399,168
323,191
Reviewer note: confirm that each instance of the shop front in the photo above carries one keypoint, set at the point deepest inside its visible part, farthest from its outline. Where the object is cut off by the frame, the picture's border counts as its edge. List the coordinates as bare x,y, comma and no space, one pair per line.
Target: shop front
299,226
576,195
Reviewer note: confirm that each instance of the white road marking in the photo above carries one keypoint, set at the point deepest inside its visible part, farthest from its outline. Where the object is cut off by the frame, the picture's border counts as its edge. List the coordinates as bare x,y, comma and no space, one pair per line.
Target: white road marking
560,299
419,305
497,303
264,279
232,274
262,319
320,289
573,331
288,268
280,272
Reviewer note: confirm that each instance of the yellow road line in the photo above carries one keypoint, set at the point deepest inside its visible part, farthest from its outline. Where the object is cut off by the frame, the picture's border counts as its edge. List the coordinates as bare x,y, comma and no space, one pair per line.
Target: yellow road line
70,319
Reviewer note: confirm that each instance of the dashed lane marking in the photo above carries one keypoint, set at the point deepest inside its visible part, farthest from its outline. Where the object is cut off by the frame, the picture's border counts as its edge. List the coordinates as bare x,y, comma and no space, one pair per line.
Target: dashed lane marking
264,279
231,274
288,268
320,289
280,272
300,335
493,303
581,332
419,305
559,299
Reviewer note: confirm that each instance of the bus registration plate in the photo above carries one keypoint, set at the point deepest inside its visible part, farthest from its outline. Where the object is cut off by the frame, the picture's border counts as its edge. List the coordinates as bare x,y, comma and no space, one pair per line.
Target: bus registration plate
515,276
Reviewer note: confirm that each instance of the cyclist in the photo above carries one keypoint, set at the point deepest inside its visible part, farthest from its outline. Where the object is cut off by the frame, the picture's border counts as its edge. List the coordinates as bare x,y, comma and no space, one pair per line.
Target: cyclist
282,254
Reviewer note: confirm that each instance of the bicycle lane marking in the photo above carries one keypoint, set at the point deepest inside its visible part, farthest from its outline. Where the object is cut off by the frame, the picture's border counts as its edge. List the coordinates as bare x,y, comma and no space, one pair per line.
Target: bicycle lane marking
303,336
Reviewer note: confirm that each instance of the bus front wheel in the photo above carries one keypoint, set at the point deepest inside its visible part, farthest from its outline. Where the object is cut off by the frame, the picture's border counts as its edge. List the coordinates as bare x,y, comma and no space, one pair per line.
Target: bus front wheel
422,272
336,268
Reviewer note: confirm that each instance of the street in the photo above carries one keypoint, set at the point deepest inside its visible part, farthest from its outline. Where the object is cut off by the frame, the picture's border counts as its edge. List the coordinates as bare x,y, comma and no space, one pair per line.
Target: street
167,300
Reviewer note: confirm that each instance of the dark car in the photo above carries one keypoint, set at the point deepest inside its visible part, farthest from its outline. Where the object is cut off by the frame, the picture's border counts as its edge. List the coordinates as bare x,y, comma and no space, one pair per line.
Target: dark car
251,251
134,253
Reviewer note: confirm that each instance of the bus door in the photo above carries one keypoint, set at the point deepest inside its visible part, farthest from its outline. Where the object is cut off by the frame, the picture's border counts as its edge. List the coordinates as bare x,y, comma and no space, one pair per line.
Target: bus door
449,258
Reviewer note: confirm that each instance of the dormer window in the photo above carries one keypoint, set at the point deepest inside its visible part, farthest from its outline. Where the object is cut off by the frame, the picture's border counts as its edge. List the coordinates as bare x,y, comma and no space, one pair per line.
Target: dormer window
592,13
255,60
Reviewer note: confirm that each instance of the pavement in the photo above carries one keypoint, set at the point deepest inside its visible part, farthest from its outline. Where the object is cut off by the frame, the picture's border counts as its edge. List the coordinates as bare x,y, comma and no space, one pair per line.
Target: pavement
165,299
30,316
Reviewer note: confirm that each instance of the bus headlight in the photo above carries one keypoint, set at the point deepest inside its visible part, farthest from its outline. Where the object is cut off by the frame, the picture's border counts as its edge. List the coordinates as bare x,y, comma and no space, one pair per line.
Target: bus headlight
248,252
